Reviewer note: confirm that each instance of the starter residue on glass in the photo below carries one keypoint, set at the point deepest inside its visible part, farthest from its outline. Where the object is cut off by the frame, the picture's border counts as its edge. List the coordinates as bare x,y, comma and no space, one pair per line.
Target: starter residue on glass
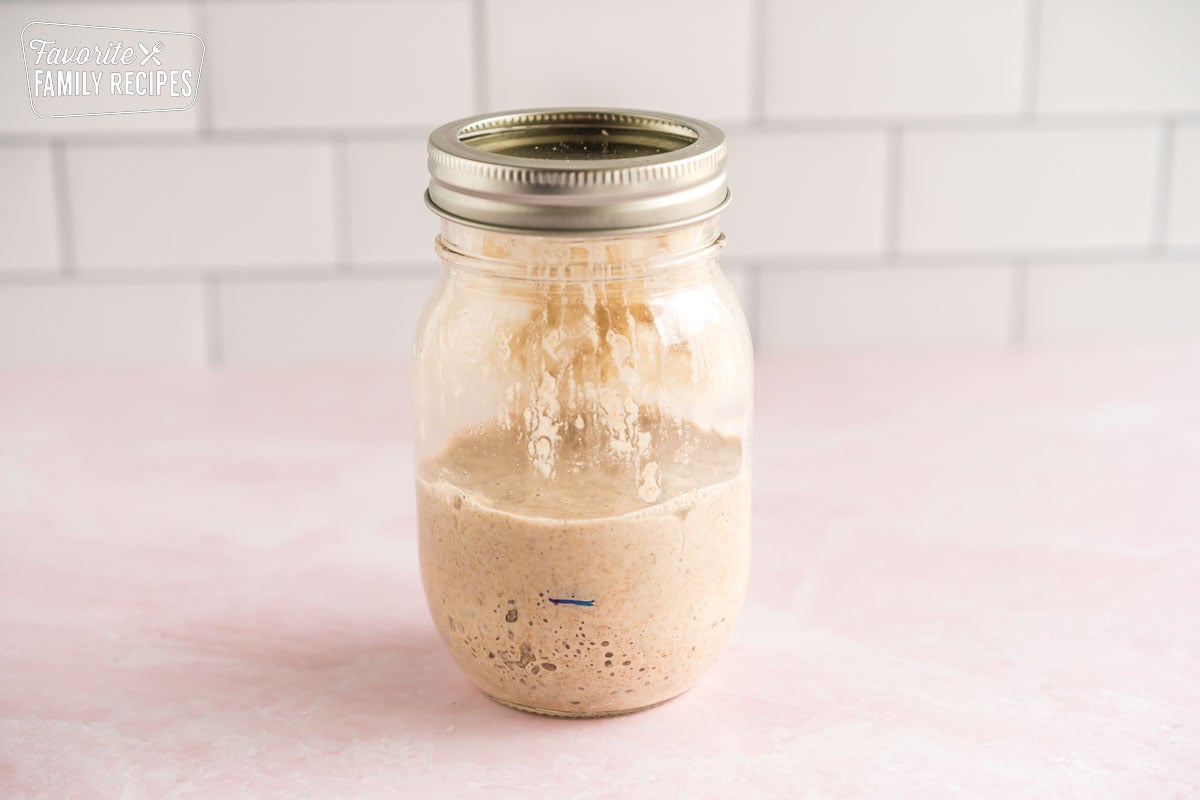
587,367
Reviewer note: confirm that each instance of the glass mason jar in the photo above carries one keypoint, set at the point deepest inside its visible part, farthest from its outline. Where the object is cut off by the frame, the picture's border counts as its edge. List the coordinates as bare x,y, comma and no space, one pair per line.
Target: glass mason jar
582,399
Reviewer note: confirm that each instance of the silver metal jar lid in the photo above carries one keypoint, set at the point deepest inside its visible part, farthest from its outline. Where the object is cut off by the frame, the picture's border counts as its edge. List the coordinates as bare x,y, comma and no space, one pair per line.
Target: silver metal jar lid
562,170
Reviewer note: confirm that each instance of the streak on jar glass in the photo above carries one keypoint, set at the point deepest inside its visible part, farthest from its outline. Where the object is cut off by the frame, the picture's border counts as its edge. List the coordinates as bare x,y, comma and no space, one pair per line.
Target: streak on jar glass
582,399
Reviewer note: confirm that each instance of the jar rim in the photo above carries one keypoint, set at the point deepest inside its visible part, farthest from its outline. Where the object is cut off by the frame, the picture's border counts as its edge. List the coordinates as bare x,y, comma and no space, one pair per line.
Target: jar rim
563,271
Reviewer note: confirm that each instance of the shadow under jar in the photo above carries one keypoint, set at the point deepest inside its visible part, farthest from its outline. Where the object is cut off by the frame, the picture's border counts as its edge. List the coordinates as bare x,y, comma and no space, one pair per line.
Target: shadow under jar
582,399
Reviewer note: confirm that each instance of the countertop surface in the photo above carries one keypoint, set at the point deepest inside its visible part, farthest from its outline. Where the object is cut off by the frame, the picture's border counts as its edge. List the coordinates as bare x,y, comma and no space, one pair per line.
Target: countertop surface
975,575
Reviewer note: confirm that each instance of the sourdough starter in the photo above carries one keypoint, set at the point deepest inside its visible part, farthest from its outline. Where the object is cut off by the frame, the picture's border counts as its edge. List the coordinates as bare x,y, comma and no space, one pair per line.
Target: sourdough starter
575,596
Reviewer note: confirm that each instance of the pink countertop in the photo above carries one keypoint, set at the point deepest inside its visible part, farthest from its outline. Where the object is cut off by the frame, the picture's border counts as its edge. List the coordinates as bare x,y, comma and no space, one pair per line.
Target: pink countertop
975,575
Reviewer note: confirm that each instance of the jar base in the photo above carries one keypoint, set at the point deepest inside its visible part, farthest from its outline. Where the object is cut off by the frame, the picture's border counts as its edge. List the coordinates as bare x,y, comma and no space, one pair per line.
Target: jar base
550,712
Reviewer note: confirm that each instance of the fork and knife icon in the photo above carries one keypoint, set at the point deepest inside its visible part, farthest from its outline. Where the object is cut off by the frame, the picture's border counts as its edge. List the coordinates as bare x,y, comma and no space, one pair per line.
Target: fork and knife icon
151,54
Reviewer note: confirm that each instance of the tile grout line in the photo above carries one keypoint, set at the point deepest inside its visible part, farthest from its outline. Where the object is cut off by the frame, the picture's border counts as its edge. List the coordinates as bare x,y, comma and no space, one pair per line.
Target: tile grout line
816,260
893,175
342,250
783,125
408,270
144,277
67,257
1031,65
1018,291
1162,190
479,48
964,123
758,63
266,136
214,354
205,122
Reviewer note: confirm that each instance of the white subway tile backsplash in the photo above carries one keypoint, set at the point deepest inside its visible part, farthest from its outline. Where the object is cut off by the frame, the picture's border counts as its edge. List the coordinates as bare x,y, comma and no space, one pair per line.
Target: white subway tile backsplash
806,193
202,205
340,64
1119,56
894,139
1072,303
388,219
364,319
28,230
880,58
16,113
101,324
1028,189
1183,210
884,306
684,56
